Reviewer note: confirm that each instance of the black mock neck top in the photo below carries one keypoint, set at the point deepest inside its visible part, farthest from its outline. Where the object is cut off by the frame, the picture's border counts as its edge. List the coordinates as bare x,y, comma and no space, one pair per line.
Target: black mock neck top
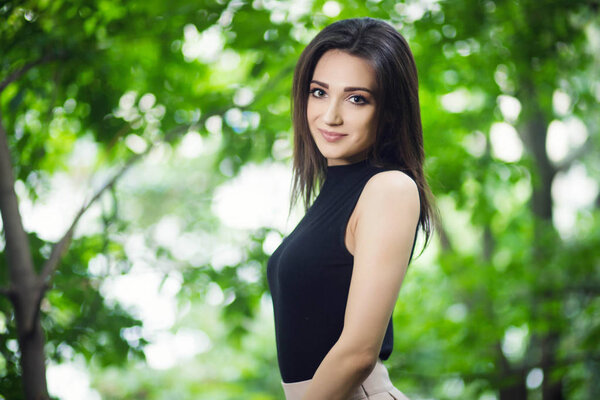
309,276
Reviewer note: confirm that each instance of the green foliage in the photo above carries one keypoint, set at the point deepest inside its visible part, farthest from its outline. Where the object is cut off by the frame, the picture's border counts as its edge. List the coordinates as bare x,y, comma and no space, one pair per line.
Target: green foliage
79,317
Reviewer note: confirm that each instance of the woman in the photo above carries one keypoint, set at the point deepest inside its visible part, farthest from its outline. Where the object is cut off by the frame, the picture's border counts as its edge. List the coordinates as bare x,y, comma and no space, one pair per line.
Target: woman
335,278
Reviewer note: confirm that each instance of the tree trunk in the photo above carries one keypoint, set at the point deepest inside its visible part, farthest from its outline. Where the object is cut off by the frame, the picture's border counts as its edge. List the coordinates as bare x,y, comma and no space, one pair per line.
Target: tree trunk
551,389
33,363
511,384
534,133
25,290
515,390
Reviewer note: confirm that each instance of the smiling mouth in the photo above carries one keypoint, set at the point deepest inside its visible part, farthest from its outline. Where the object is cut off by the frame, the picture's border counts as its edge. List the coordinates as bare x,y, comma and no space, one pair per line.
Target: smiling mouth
331,136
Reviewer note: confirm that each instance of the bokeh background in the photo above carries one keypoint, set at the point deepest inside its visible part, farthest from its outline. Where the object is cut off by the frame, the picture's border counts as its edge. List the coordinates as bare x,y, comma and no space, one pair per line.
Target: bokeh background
167,123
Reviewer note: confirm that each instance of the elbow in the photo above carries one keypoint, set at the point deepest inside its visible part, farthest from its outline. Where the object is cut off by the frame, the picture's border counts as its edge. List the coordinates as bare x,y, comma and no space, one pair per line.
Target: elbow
361,358
369,362
364,362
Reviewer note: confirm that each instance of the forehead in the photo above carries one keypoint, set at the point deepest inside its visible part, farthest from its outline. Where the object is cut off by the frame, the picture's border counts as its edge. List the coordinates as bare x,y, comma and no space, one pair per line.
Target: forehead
338,68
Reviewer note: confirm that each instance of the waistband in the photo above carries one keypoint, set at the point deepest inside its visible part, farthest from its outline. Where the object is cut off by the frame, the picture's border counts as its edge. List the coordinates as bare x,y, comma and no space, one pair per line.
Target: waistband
378,381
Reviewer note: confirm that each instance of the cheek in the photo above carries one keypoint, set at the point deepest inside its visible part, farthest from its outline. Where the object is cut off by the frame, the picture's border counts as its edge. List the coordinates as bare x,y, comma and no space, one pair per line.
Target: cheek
311,111
310,117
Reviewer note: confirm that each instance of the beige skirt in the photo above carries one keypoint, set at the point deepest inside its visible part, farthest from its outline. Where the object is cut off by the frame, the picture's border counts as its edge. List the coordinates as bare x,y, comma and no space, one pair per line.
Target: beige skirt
377,386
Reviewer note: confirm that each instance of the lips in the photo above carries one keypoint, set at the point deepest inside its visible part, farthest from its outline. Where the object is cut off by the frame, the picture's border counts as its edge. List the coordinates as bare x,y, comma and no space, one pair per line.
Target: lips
331,136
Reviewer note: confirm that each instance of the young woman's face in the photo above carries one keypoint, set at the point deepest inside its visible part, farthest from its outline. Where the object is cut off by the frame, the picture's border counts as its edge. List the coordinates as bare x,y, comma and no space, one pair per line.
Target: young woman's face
341,107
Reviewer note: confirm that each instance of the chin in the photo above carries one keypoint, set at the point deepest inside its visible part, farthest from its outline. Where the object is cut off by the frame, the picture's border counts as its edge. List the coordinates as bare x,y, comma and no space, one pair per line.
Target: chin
327,153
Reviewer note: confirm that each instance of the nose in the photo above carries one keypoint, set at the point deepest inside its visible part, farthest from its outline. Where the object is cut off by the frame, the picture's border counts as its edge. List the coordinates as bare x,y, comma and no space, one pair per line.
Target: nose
333,114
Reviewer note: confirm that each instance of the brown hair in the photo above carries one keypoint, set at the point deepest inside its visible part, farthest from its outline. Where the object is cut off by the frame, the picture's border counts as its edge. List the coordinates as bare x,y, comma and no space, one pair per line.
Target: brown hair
399,136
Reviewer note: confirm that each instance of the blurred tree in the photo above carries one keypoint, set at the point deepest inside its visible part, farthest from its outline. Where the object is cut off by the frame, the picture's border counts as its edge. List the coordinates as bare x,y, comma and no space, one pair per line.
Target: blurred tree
525,289
86,69
64,66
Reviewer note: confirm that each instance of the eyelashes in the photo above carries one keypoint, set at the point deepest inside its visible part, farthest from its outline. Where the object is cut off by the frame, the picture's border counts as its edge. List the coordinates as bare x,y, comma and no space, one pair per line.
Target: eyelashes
319,93
360,98
314,91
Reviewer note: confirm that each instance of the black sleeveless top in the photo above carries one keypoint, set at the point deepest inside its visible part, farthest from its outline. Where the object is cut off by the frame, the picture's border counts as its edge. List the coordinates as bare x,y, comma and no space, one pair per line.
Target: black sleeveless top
309,276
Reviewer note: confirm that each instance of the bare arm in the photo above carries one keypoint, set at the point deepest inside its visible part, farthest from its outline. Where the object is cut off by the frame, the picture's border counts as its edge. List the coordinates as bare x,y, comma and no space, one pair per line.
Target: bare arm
384,234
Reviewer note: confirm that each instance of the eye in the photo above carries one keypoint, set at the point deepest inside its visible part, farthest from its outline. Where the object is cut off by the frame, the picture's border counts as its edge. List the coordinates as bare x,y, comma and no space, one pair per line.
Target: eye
316,92
358,100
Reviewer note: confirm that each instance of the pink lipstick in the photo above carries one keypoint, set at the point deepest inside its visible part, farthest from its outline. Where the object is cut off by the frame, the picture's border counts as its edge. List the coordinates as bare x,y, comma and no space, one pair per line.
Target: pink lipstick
331,136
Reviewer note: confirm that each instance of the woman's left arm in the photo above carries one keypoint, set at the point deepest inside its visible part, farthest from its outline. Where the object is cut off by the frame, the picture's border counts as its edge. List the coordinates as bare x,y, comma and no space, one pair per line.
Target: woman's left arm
383,236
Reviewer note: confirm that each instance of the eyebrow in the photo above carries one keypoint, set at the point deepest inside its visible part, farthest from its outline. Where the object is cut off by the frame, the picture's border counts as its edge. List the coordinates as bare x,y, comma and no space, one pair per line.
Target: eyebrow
346,89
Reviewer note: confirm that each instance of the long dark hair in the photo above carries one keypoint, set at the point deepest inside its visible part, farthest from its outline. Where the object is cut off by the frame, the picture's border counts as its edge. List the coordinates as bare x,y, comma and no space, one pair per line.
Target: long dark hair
399,136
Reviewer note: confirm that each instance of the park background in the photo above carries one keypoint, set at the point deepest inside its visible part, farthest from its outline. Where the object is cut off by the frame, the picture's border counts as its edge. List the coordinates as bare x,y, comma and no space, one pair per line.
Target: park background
148,146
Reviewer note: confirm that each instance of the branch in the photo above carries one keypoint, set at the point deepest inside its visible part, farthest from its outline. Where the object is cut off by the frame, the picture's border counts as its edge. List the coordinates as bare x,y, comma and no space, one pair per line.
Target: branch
23,70
59,249
7,292
582,288
21,270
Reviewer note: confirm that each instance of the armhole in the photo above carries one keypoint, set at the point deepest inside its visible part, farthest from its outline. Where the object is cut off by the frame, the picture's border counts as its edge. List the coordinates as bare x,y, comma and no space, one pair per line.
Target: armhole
348,214
346,221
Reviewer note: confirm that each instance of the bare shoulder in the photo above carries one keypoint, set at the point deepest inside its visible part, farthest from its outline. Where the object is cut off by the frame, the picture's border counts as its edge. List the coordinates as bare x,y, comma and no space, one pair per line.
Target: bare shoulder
389,203
392,187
